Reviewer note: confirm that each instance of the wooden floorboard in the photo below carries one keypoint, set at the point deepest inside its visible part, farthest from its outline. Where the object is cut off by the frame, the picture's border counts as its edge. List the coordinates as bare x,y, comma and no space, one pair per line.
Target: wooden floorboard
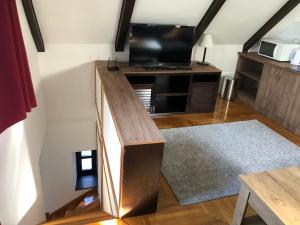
216,212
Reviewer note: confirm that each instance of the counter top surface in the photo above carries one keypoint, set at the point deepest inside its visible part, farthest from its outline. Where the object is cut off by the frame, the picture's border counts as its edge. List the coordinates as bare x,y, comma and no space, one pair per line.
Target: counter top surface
258,58
134,125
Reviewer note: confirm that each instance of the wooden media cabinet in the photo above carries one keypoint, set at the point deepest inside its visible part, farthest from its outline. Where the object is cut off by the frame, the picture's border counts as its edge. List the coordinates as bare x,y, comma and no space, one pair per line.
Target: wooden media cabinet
175,91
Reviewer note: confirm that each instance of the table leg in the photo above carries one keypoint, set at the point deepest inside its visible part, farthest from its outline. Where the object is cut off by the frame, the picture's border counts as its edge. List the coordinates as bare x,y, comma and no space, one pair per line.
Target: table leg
241,206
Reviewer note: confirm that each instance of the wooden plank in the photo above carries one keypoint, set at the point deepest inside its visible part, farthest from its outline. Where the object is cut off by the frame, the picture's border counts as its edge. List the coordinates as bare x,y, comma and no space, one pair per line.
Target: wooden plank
279,15
33,25
208,18
124,23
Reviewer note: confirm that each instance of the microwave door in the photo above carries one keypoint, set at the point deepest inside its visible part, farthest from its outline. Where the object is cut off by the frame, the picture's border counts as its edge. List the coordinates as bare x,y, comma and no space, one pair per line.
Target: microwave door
267,49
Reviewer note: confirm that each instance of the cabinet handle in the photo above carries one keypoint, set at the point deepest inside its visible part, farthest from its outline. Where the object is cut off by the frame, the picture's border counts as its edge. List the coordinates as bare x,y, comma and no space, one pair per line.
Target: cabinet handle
279,77
276,77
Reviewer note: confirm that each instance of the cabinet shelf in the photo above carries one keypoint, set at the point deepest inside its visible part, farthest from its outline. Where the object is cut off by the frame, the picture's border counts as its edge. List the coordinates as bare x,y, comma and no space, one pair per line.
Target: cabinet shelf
250,75
172,84
248,95
172,94
168,104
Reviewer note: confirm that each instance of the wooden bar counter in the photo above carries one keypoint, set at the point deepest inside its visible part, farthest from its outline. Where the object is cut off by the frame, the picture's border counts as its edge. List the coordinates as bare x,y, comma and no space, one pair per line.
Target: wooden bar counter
130,147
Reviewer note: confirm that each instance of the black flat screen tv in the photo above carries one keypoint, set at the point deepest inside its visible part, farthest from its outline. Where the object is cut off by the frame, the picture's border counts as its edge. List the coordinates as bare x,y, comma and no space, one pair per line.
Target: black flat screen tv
160,45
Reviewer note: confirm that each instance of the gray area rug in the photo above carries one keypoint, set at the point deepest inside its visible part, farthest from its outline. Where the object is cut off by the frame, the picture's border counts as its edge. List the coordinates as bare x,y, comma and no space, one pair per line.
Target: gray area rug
203,162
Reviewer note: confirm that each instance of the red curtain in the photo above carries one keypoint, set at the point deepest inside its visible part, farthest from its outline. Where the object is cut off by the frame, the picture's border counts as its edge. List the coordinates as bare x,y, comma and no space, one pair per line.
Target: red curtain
16,90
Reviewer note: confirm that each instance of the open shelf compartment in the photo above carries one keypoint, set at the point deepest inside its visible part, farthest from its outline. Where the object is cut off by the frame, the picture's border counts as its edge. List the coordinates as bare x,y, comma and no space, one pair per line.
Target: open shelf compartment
248,89
250,69
168,104
172,85
143,86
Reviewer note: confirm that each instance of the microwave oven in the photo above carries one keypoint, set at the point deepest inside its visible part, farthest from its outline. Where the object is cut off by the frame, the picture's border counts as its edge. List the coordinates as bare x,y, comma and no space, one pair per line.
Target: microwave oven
278,50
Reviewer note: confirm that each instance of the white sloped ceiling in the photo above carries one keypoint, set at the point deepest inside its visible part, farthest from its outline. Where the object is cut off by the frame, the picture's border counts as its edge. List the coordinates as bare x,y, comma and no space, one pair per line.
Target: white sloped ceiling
96,21
179,12
78,21
288,28
238,20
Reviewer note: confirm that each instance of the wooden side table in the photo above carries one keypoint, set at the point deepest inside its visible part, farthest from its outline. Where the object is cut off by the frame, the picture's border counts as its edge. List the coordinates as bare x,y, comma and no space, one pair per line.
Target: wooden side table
274,195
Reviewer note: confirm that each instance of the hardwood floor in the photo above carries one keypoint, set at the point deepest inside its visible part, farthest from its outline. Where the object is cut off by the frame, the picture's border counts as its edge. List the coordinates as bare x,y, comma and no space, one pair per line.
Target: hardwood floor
225,112
216,212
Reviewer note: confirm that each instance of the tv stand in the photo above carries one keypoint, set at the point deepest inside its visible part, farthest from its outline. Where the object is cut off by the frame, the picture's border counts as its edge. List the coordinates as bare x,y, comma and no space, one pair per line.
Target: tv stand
178,90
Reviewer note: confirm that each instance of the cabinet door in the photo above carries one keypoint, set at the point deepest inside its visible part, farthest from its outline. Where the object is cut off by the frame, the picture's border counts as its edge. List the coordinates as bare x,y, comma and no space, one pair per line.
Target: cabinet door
268,91
279,97
289,109
203,97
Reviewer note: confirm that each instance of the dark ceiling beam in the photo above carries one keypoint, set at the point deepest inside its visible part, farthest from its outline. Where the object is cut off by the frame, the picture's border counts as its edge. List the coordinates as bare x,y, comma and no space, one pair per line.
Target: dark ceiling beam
124,23
208,18
33,25
288,7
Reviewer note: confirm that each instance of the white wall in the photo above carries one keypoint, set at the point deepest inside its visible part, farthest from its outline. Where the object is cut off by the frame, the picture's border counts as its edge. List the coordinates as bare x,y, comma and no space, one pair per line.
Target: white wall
222,56
68,76
68,73
63,138
20,145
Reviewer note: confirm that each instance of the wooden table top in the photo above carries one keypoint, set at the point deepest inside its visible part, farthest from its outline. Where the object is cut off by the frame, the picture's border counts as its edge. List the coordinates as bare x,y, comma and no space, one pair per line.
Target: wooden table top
279,190
134,125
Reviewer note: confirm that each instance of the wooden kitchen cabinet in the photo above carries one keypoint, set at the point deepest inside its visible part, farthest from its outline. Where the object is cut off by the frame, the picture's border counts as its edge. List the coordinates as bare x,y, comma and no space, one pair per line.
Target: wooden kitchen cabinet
278,94
289,112
268,91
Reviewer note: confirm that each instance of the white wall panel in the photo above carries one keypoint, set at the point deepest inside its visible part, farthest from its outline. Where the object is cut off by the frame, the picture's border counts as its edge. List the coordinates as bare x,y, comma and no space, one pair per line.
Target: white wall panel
113,147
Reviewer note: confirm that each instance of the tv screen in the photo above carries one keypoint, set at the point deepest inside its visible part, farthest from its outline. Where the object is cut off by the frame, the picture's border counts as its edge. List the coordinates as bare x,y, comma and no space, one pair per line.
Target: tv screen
160,45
